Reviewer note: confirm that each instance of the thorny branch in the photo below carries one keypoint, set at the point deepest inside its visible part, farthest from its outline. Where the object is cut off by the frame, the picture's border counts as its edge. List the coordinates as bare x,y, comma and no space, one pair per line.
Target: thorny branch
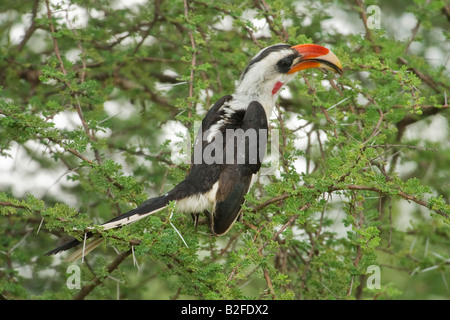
99,279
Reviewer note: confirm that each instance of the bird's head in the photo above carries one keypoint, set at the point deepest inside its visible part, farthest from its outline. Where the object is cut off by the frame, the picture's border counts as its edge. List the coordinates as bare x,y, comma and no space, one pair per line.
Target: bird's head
276,65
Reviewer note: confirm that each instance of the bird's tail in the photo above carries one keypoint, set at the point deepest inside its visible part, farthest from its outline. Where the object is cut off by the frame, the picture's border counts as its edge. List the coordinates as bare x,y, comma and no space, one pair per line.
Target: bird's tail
144,210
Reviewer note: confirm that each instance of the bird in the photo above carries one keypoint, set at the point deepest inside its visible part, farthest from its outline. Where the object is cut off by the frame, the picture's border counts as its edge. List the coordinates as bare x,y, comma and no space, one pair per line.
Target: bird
230,145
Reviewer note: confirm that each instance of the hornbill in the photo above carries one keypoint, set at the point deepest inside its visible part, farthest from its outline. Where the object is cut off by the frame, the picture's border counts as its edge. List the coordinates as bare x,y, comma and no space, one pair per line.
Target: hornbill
218,187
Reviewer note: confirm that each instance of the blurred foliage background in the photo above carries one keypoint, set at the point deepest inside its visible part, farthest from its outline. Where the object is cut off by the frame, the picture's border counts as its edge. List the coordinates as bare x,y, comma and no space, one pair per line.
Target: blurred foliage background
97,96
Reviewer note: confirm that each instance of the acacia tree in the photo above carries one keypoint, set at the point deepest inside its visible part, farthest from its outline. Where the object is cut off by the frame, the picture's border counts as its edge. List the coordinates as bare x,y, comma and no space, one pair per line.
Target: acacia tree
94,94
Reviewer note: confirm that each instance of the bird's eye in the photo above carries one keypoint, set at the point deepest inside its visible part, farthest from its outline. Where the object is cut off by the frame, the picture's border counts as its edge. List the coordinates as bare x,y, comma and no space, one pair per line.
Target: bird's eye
284,65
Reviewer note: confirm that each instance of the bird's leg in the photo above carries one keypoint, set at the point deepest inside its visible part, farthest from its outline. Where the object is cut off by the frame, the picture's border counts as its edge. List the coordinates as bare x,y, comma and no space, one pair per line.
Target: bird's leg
209,218
195,219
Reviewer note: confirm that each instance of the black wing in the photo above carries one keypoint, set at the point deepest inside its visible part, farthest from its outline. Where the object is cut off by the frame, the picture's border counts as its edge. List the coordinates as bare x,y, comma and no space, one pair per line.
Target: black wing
248,147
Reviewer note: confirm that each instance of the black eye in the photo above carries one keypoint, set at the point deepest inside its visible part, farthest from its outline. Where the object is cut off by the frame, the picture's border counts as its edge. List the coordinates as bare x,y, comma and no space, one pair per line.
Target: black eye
284,65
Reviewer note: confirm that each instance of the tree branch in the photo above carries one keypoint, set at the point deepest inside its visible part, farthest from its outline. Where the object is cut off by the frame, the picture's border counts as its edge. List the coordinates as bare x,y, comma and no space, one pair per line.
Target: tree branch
193,60
99,280
354,187
31,28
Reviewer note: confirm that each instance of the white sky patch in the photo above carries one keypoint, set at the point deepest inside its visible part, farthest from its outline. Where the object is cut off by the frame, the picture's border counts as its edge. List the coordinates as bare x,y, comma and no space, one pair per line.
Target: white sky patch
67,120
94,13
73,55
326,84
287,23
105,133
180,143
25,176
122,109
436,57
201,108
127,4
406,168
436,131
304,8
17,32
224,24
71,14
286,92
261,25
341,22
400,27
361,100
415,48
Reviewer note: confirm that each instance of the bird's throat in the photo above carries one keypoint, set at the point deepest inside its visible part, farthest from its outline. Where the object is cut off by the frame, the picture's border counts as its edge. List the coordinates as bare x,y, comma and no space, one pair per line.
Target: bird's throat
277,87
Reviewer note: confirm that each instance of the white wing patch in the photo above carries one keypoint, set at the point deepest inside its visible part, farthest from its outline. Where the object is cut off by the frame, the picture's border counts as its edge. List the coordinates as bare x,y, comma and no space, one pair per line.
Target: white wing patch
199,202
128,220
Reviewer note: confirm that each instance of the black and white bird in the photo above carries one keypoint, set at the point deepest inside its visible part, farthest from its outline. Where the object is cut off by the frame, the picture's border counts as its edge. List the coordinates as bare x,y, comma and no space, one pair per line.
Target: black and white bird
224,166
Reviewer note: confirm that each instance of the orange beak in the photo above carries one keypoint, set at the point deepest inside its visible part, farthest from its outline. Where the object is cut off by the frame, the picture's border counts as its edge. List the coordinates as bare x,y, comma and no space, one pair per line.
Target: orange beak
315,56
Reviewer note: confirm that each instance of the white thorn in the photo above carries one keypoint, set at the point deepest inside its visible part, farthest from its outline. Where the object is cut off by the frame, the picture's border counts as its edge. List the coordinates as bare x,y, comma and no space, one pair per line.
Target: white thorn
134,259
84,247
40,225
179,234
338,103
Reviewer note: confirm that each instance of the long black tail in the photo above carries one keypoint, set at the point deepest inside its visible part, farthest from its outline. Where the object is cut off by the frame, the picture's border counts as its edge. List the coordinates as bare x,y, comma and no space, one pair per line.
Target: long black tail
145,209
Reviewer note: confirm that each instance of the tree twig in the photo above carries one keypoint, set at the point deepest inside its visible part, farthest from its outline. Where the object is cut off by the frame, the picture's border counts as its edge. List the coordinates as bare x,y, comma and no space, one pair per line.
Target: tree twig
99,279
193,60
31,28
